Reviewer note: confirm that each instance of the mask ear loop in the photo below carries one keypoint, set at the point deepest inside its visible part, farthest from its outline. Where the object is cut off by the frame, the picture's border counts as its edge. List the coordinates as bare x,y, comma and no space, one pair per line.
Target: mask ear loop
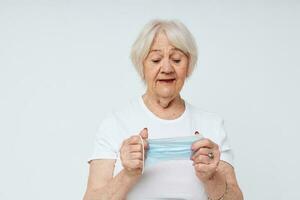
143,153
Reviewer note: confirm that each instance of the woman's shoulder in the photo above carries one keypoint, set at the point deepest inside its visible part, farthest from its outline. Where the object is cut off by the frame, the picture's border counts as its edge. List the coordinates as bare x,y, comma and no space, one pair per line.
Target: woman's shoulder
209,124
122,111
203,114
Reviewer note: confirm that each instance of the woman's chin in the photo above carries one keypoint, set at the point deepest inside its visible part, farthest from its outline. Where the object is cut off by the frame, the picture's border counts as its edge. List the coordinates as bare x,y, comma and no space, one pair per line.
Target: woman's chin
166,94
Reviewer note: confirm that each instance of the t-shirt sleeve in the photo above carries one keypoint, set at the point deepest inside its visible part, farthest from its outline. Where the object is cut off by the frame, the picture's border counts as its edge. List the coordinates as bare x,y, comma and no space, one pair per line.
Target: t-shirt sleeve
105,141
224,144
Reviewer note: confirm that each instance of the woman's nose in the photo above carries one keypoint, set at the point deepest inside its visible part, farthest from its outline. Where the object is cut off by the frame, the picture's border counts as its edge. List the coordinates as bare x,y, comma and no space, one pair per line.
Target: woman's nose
167,67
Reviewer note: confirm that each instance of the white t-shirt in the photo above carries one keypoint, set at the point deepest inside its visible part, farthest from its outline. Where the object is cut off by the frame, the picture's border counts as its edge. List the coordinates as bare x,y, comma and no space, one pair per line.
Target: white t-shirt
169,179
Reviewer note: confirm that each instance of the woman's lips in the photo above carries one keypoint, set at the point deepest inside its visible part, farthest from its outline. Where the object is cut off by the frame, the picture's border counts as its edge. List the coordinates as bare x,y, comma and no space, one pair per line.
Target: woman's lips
166,80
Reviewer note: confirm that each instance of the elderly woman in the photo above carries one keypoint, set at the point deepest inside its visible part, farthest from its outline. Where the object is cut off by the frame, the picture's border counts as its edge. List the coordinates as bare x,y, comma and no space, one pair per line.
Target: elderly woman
164,55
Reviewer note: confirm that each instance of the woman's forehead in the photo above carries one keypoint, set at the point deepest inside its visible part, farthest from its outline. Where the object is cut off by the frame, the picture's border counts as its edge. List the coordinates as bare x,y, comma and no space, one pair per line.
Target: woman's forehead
161,43
171,50
160,40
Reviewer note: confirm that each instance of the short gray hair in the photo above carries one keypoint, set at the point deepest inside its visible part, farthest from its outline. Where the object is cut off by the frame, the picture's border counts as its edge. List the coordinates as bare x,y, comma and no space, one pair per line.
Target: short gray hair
176,32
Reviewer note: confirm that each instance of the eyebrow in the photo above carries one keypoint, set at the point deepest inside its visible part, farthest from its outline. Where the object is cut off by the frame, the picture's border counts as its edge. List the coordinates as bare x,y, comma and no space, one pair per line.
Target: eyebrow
176,49
154,50
173,49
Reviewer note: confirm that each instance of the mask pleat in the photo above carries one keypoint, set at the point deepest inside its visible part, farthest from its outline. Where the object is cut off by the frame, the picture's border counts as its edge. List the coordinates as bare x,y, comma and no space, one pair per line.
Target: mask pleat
170,148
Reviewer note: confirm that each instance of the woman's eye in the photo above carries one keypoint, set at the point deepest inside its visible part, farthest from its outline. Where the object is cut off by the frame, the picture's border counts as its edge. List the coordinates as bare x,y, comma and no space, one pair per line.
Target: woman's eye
156,61
176,60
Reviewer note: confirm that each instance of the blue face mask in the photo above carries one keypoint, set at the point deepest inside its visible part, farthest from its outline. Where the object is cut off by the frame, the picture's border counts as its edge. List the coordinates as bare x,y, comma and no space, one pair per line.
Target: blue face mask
163,149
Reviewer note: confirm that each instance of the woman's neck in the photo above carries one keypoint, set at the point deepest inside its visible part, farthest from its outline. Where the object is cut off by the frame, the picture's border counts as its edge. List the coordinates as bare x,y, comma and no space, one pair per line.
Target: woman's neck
165,108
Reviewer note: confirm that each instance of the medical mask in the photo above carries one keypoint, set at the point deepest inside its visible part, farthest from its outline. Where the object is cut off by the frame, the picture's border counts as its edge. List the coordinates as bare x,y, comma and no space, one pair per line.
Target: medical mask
163,149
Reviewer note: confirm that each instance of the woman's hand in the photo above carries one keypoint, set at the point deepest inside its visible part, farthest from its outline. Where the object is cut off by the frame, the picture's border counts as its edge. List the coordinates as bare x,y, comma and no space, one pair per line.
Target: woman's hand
131,153
206,158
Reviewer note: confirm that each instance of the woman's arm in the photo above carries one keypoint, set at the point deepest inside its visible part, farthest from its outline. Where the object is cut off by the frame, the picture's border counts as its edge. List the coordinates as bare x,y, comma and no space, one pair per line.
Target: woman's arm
218,176
102,185
216,186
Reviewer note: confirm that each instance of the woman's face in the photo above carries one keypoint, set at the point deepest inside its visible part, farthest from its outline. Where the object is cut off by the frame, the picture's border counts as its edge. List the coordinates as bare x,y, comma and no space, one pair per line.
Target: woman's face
165,68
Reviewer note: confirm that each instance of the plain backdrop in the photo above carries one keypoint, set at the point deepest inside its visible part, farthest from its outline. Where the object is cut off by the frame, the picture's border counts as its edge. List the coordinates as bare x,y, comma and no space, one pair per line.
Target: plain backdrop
65,64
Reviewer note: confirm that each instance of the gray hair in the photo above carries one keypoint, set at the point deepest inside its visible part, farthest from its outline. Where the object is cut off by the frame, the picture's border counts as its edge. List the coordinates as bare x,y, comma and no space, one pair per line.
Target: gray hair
176,32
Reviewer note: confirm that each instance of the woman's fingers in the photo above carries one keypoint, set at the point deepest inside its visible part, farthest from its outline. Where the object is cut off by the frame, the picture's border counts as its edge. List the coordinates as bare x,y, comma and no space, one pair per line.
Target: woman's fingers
136,156
203,154
205,172
201,151
132,150
206,158
204,168
135,148
136,140
146,144
144,133
135,164
203,143
202,159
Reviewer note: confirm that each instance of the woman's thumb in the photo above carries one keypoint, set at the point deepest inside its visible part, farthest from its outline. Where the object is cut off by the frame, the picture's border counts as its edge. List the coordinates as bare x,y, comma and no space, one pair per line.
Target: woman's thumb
144,133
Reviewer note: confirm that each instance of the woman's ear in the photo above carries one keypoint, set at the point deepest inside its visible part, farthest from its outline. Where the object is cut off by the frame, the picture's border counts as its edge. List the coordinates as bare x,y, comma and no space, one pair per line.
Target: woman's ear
142,75
188,73
142,71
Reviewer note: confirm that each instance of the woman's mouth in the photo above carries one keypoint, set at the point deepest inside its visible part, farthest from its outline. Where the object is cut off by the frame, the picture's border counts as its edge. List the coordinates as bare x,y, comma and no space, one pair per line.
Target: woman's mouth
166,80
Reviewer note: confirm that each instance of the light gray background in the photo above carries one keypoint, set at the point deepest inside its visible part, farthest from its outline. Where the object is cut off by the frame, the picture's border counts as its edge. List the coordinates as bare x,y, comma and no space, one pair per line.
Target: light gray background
65,64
